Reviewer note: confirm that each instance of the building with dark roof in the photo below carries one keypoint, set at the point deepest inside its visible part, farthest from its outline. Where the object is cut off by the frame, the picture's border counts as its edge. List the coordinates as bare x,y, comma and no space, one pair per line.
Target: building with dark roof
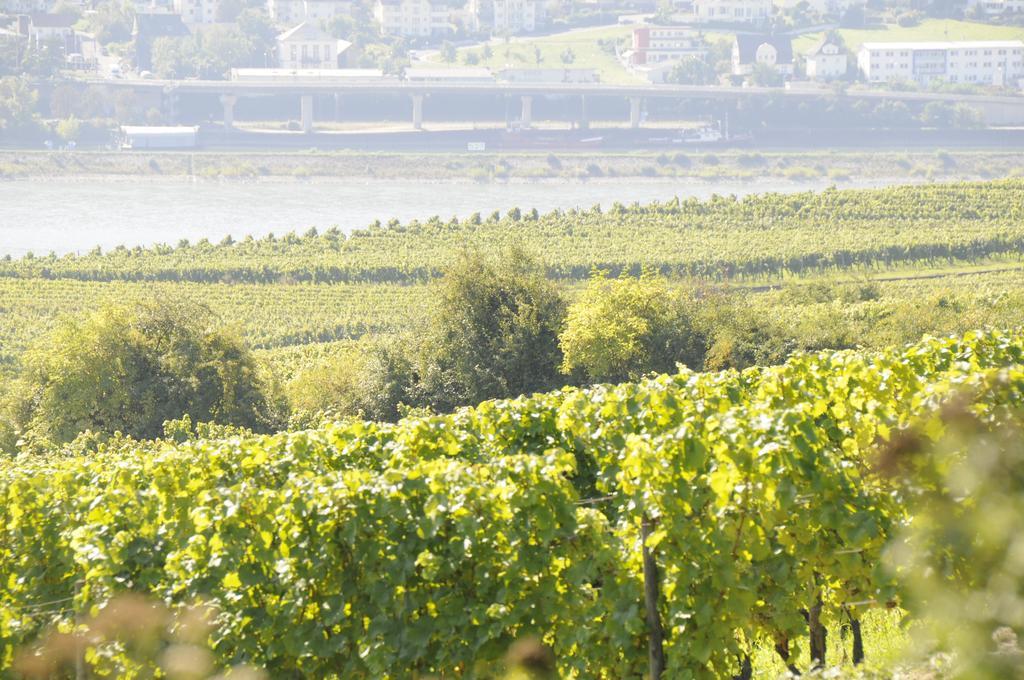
150,26
773,51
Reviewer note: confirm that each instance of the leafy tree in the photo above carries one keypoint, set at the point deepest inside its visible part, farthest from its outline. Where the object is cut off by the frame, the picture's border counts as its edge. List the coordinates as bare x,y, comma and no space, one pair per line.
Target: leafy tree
130,368
174,57
18,118
69,129
12,49
764,75
110,22
260,30
692,71
945,115
370,383
568,56
220,49
494,332
486,52
448,52
210,54
621,328
229,10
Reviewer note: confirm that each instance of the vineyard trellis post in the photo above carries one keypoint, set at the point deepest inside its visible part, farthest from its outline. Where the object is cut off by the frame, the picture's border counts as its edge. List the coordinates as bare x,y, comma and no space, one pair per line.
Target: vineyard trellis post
655,633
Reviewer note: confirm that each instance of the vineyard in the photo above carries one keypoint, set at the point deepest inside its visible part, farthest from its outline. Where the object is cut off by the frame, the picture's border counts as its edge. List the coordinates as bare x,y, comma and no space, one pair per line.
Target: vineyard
722,239
679,523
293,324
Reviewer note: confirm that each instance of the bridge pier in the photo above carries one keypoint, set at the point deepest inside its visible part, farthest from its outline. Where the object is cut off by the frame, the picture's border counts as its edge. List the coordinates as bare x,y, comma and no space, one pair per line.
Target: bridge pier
526,119
228,102
635,104
584,121
307,113
168,106
337,106
417,111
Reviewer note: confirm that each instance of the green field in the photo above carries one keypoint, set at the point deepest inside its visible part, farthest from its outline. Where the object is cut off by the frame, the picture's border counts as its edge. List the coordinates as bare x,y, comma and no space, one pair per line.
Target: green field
584,44
927,30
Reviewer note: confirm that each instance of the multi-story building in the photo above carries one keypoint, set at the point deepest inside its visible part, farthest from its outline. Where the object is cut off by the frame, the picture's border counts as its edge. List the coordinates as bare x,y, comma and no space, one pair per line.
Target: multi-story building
197,11
16,7
826,61
997,7
308,47
659,44
732,11
412,18
982,62
295,11
516,16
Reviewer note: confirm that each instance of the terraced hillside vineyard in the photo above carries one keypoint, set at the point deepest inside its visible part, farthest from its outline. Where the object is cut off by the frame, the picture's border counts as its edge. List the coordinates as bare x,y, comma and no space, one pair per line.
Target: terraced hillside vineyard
364,550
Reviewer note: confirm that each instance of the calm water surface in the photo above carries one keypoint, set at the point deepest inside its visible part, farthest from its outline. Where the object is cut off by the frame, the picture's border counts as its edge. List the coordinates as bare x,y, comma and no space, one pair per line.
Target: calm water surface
76,214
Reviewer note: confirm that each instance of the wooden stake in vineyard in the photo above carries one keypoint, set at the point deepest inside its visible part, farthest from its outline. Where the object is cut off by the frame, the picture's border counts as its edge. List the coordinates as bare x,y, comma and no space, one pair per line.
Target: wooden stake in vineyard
655,633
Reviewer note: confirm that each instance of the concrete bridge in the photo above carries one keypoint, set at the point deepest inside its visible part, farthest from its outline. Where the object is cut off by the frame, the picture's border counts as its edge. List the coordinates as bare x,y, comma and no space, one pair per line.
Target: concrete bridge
995,110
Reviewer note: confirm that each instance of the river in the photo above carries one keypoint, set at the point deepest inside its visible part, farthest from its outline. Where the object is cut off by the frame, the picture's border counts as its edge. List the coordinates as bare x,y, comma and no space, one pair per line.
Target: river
77,214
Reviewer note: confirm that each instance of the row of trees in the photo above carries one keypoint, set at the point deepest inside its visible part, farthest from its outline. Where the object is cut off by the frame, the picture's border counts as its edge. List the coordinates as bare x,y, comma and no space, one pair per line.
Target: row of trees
498,328
213,52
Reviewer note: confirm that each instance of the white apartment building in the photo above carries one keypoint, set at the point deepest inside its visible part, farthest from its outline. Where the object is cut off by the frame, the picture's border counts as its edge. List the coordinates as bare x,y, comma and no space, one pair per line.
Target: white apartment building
732,11
517,16
660,44
981,62
196,11
412,18
997,7
826,61
307,47
296,11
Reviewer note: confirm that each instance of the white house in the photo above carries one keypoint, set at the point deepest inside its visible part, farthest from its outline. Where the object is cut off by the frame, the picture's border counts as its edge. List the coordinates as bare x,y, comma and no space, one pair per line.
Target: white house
981,62
53,28
197,11
826,61
308,47
412,18
732,11
773,51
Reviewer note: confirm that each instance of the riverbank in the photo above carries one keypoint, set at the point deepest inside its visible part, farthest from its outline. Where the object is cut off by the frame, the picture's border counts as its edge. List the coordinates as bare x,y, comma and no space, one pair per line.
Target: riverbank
704,166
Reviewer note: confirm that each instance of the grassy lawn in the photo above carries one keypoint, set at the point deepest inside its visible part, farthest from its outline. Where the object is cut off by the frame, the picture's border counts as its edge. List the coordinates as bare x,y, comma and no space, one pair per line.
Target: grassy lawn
521,52
930,29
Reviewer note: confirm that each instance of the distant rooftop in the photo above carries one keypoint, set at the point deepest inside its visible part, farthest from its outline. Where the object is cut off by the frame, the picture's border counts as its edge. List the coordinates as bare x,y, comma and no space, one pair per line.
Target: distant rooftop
159,130
306,74
477,73
54,20
944,45
306,31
